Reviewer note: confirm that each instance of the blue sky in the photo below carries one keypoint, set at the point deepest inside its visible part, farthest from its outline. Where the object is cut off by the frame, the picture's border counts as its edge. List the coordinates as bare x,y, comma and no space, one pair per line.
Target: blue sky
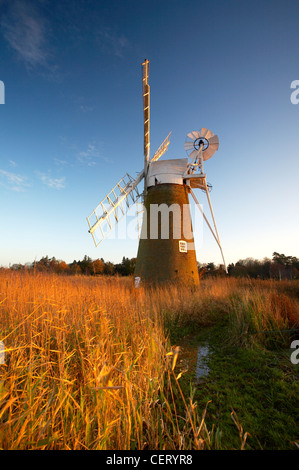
72,122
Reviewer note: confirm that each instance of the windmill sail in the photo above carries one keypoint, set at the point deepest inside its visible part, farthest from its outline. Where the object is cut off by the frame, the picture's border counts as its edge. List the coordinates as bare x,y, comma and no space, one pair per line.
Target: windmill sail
107,214
162,149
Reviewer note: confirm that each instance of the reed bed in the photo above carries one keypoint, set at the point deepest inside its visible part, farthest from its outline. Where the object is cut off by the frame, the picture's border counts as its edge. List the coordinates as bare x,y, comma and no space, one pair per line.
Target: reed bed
86,367
89,362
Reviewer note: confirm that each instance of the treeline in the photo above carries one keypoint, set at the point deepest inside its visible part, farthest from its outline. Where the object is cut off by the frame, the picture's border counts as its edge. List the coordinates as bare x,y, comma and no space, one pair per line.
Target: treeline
86,266
279,267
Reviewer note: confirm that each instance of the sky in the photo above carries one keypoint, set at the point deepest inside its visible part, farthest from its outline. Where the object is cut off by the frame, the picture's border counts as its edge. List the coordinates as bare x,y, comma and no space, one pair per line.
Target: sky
72,119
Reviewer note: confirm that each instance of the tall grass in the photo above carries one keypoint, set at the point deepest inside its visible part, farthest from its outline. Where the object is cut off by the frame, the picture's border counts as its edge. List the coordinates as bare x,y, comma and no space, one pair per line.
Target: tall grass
263,315
89,363
87,367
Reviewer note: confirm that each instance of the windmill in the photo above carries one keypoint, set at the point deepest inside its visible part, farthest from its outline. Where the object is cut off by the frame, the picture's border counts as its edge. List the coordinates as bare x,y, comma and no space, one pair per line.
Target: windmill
166,249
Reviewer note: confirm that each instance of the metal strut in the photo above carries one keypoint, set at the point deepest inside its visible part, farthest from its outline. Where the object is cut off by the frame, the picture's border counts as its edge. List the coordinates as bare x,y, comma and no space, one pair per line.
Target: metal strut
215,235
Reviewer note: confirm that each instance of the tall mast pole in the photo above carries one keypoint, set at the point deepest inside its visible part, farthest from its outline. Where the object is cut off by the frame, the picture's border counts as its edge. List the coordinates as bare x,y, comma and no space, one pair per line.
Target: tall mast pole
146,114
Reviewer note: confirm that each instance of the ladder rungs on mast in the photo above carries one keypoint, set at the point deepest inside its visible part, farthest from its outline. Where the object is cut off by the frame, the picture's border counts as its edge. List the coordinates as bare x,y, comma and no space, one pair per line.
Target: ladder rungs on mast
100,217
162,149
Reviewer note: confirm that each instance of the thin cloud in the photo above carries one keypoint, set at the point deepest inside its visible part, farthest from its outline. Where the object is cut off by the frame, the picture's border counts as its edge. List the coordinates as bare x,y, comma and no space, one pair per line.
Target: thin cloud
113,43
86,109
75,155
60,162
89,156
25,31
53,183
13,181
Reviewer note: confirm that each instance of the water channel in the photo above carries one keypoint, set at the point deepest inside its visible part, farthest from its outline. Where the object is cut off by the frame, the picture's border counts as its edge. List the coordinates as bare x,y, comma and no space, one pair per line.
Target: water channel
202,368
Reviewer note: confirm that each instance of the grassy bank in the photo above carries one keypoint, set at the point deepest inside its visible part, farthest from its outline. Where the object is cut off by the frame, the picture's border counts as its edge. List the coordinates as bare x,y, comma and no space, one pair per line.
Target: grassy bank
92,363
252,386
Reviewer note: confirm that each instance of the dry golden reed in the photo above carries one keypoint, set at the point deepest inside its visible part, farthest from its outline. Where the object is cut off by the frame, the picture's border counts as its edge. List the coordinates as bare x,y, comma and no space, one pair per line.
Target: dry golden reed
87,363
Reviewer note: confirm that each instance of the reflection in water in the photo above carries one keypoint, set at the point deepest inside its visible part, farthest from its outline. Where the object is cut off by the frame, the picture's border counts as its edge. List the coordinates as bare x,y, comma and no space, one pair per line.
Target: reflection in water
202,368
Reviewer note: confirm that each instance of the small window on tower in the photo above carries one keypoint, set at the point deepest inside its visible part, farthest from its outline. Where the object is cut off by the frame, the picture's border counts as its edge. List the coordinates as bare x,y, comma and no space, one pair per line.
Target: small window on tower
183,246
